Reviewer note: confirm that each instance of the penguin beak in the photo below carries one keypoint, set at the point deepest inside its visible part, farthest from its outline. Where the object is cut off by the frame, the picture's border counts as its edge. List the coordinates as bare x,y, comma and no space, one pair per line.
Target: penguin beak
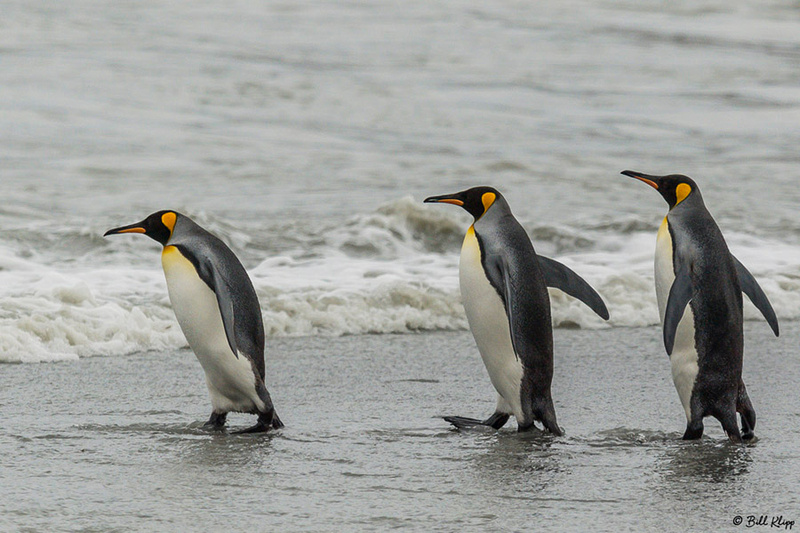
444,199
133,228
650,180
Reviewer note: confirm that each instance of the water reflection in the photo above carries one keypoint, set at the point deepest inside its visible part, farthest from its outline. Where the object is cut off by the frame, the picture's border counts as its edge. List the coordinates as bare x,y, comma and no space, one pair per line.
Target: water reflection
706,461
219,448
523,463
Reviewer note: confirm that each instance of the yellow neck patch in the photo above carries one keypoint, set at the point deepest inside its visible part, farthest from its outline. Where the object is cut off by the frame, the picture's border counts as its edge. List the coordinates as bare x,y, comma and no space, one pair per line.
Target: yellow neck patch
168,219
682,191
488,199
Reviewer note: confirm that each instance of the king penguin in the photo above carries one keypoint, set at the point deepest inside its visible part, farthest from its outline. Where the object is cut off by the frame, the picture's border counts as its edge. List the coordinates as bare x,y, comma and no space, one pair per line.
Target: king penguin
504,289
699,286
218,311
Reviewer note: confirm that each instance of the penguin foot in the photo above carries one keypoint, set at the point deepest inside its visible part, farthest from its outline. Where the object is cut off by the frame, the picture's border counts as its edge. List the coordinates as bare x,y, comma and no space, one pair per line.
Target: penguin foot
496,421
462,422
216,422
260,427
693,431
266,421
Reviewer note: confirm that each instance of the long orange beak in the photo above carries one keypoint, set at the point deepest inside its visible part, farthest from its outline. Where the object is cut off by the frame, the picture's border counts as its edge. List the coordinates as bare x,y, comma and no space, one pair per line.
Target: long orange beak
133,228
642,177
444,199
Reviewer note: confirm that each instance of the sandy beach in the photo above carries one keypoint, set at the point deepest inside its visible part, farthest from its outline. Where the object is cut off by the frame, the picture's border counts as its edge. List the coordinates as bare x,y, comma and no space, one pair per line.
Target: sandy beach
116,444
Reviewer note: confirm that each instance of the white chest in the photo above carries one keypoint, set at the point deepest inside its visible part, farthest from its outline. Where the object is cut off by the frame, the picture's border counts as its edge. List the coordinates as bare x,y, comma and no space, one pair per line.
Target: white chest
230,380
684,353
489,325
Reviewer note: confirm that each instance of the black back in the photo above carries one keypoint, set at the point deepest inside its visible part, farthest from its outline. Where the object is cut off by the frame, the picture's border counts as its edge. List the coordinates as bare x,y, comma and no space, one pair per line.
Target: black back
716,301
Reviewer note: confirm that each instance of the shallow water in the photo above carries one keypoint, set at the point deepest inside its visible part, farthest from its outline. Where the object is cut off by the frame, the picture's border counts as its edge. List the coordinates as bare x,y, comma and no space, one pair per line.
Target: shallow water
116,444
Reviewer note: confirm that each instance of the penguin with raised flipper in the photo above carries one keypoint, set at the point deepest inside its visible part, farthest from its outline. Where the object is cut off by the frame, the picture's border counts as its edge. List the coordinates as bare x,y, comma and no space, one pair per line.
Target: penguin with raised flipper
504,287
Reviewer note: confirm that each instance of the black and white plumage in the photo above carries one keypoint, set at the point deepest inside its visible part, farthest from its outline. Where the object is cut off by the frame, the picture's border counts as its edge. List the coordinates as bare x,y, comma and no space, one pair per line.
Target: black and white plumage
218,311
699,286
504,288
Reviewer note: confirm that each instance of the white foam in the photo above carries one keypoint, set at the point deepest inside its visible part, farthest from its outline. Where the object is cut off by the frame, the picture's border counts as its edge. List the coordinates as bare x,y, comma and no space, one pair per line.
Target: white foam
49,315
393,270
341,295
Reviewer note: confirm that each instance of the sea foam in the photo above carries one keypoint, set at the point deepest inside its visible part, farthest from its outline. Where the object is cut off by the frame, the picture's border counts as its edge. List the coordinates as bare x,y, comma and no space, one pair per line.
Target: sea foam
392,270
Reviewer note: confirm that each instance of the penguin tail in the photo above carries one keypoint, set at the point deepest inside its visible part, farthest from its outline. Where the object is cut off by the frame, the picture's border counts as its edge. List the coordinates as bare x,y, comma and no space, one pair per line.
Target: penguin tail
694,425
269,416
547,415
731,429
549,422
276,421
748,415
725,411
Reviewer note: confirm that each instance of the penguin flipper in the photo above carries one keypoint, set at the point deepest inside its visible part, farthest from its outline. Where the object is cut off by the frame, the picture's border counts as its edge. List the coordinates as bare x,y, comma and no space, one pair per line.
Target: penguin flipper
753,291
499,276
213,278
561,277
225,302
679,295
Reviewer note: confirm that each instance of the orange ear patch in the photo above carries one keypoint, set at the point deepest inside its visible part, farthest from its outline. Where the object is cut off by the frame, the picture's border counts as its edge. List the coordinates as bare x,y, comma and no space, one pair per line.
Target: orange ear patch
682,191
488,199
168,219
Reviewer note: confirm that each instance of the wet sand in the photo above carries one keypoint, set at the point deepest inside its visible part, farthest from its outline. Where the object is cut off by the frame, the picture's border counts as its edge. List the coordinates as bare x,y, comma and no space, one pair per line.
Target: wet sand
116,444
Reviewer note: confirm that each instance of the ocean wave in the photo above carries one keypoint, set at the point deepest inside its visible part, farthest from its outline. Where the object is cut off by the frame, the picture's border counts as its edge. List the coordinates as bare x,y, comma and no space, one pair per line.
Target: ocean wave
393,270
396,229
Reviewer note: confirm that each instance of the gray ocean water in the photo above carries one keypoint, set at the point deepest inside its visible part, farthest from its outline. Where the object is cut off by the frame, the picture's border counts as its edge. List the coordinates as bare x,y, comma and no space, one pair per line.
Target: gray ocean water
306,134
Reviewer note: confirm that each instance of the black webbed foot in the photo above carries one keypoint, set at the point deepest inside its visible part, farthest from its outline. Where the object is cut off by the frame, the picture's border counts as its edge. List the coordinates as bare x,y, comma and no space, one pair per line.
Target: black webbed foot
216,422
259,427
694,430
496,421
266,421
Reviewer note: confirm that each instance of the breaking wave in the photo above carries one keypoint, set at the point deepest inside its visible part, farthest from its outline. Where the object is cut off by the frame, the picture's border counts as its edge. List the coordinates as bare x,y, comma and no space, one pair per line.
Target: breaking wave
393,270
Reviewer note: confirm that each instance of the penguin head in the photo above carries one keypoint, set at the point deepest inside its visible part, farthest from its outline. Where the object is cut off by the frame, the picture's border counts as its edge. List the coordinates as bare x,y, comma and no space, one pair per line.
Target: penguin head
158,226
675,188
476,200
